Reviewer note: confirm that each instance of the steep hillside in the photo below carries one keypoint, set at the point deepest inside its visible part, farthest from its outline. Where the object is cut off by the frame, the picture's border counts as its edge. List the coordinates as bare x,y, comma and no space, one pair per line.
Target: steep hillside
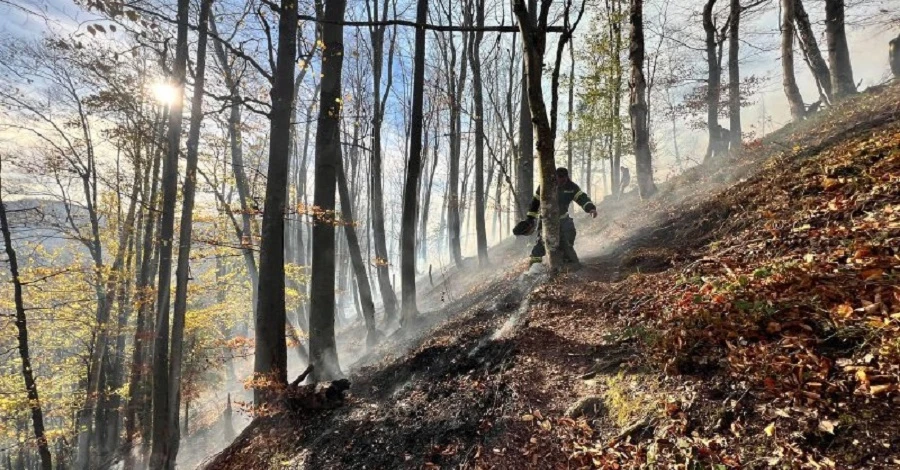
747,317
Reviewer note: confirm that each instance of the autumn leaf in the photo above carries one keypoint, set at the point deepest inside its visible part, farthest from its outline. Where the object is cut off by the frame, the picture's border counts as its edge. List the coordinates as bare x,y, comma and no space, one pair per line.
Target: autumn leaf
770,430
827,426
871,274
844,310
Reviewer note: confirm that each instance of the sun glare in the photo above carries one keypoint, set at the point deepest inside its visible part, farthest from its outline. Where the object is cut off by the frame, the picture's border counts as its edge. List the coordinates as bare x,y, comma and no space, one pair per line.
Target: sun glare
165,93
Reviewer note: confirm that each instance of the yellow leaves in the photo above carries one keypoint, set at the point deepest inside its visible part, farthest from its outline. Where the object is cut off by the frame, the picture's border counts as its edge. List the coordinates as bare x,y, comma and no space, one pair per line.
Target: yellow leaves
770,430
527,417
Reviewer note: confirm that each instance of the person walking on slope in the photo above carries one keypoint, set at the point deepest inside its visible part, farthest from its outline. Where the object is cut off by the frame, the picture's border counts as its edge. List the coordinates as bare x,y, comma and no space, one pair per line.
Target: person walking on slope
568,191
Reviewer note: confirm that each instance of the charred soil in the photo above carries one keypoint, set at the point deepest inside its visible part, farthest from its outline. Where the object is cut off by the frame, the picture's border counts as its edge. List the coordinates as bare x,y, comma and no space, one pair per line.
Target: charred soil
746,317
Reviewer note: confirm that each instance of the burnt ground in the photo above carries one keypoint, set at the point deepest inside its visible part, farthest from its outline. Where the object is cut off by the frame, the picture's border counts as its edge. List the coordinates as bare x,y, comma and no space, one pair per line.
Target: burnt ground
745,317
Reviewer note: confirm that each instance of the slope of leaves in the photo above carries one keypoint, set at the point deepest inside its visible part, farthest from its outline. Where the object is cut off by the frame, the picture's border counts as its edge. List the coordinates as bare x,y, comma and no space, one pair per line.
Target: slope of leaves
760,327
745,318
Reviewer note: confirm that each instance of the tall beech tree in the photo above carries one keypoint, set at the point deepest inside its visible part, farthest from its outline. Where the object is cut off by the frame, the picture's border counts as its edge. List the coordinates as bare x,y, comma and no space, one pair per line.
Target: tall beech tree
409,310
182,273
640,129
160,452
789,79
270,359
478,97
525,160
377,38
713,83
838,51
322,344
533,24
812,54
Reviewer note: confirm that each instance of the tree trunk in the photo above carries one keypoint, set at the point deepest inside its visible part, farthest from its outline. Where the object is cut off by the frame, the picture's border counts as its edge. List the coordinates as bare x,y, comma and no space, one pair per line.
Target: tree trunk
478,90
138,407
534,44
638,111
382,265
570,146
616,108
525,167
811,52
713,81
270,359
322,347
795,100
159,457
235,140
838,52
182,272
409,310
34,402
426,204
304,259
734,77
359,266
455,197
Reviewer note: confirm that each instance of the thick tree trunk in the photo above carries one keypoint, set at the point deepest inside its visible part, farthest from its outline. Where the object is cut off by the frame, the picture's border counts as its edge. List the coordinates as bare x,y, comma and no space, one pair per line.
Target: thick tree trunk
182,272
409,310
534,45
838,52
638,111
734,77
713,81
34,402
159,457
322,347
270,359
525,166
795,100
811,52
480,200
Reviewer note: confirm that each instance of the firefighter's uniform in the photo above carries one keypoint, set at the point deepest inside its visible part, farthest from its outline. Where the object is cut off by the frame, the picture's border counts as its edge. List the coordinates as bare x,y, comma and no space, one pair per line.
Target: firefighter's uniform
567,192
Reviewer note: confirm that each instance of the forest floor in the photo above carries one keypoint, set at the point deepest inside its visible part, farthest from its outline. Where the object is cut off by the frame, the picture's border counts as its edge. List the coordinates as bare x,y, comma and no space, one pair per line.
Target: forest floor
745,317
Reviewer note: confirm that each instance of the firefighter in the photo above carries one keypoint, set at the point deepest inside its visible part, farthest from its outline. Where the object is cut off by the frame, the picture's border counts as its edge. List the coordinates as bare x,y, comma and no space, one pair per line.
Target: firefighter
567,192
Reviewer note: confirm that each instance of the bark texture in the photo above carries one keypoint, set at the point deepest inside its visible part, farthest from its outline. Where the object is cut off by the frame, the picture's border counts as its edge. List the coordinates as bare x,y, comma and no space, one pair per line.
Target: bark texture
270,359
322,347
638,109
795,100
